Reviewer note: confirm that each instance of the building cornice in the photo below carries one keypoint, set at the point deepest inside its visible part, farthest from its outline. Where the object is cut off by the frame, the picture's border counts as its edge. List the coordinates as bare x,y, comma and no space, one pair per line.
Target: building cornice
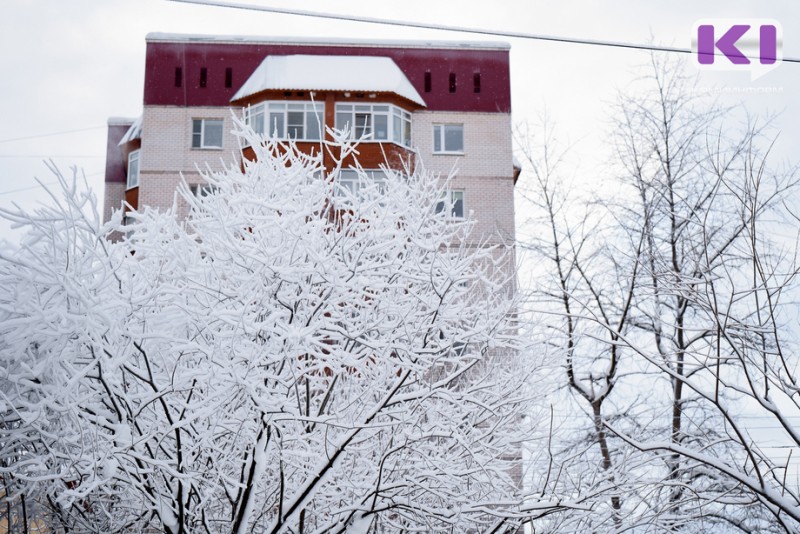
160,37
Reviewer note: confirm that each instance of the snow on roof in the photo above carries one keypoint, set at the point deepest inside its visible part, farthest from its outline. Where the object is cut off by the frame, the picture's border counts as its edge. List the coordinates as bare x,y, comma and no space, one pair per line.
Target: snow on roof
329,73
331,41
134,132
120,121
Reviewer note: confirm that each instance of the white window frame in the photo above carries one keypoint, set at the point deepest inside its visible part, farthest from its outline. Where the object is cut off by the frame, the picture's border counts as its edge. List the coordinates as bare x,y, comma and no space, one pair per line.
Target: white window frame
362,118
258,118
133,177
440,138
448,201
202,142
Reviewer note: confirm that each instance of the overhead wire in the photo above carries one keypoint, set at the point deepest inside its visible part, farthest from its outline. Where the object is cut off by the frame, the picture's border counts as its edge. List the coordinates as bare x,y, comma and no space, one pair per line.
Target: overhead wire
37,136
445,27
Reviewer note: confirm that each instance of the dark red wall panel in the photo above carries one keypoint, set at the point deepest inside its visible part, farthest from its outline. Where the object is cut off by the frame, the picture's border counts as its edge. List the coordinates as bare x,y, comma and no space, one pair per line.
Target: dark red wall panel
164,57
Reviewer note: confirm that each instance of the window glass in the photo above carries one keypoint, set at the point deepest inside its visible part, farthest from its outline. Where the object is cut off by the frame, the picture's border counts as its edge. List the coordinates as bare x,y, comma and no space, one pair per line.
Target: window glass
349,180
300,121
197,133
255,118
381,127
451,202
207,133
397,130
133,169
376,122
313,124
212,133
276,125
457,203
203,190
406,132
454,138
343,120
448,138
294,124
363,124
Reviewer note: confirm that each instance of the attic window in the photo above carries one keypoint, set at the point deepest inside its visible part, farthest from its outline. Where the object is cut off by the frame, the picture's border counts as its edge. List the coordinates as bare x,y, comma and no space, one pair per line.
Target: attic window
452,82
476,82
203,77
178,76
428,81
228,77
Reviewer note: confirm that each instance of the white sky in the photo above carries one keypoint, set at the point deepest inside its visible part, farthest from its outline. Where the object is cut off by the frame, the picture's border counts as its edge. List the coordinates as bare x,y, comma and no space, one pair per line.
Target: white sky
70,64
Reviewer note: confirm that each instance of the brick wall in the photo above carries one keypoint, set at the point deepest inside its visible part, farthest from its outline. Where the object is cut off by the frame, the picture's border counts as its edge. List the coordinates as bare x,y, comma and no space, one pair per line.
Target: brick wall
114,194
167,140
484,170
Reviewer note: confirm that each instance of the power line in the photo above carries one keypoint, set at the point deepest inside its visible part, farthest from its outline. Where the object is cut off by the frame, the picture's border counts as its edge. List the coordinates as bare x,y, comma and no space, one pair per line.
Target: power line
37,186
444,27
47,156
51,134
27,188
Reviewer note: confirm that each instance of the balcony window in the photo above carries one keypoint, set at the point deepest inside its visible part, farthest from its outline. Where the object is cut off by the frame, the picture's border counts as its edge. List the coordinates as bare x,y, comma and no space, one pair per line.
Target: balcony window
207,133
375,122
133,170
448,138
299,121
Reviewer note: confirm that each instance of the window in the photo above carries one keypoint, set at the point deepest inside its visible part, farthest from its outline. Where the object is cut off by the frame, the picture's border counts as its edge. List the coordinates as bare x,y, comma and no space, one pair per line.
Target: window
203,77
452,203
350,180
476,82
448,138
375,122
202,190
452,87
133,169
207,133
228,77
428,81
301,121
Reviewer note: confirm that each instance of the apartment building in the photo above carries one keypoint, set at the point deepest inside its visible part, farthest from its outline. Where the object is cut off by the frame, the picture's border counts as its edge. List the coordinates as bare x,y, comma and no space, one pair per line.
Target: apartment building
445,105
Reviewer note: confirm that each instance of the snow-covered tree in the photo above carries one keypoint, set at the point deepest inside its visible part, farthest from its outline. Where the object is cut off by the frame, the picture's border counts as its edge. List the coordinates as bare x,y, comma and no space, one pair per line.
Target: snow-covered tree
292,357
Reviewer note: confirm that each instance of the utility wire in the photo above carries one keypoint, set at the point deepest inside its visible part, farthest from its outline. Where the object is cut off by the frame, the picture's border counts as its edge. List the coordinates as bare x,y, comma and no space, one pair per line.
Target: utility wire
37,186
444,27
47,156
27,188
51,134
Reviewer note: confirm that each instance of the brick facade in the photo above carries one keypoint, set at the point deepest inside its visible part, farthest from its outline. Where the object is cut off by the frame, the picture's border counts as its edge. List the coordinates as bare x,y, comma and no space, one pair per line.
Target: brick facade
483,170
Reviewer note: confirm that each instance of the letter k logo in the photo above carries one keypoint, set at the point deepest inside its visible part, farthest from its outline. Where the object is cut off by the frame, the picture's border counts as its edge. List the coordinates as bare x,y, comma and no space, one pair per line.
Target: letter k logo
726,44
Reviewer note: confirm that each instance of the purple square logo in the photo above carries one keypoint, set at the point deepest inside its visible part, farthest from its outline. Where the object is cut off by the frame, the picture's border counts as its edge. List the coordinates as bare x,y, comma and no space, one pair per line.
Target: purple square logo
753,45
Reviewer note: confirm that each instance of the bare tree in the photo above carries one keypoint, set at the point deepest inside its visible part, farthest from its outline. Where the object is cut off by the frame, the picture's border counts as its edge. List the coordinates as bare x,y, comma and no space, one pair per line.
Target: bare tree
674,280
